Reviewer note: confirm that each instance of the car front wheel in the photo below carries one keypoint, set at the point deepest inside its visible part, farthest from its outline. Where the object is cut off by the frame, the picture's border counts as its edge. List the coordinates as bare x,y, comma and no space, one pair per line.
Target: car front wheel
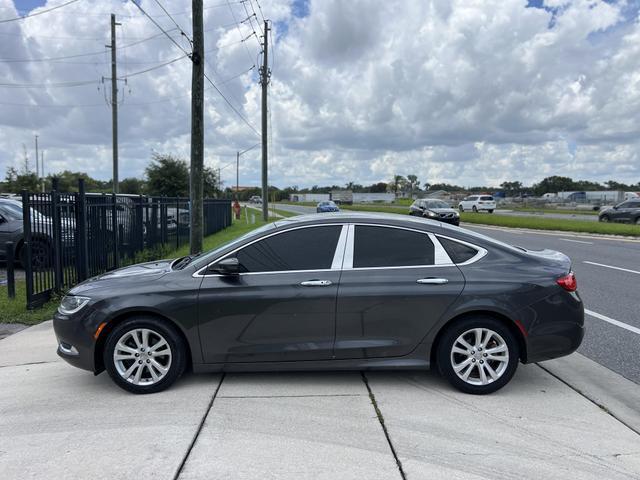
144,355
604,219
478,355
461,208
475,209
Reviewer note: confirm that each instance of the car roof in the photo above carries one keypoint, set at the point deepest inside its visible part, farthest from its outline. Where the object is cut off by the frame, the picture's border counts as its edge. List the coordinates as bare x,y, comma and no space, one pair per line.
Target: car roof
351,216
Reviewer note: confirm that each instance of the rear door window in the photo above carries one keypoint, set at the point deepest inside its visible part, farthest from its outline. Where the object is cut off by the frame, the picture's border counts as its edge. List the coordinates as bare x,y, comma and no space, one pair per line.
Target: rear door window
486,198
376,246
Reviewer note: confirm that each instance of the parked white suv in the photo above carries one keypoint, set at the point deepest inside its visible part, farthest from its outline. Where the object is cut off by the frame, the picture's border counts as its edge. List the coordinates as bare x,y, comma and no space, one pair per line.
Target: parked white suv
477,203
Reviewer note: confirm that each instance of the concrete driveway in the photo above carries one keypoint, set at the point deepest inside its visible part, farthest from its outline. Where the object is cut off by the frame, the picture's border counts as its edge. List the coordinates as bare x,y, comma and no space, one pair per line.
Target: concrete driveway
60,422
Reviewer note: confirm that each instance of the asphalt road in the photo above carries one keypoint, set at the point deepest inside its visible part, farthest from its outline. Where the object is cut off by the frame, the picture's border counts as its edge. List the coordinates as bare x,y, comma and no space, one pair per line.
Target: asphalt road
561,216
606,290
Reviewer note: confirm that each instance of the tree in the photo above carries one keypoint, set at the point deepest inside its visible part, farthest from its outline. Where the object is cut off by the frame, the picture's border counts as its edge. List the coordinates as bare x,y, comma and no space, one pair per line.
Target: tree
167,175
553,184
511,188
212,185
412,183
15,182
397,184
132,185
380,187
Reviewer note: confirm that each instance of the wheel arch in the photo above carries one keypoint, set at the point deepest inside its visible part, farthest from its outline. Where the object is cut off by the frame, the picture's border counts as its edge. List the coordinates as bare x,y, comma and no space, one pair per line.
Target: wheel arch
121,317
504,319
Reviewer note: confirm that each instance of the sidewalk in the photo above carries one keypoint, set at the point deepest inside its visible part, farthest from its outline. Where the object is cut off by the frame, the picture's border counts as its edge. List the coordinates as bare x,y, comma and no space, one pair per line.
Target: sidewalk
57,421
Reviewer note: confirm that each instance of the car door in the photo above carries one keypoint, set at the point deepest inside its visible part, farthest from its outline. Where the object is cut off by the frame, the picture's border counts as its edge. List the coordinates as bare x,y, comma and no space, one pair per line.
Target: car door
9,227
396,284
281,307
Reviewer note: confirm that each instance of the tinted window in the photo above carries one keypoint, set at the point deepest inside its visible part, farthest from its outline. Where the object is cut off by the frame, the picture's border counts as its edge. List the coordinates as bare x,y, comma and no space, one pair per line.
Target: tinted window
486,198
458,252
309,248
390,247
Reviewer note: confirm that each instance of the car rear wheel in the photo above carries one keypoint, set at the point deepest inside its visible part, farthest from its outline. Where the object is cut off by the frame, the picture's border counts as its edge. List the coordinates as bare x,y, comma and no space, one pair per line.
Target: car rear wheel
144,355
461,208
638,221
478,355
475,209
490,211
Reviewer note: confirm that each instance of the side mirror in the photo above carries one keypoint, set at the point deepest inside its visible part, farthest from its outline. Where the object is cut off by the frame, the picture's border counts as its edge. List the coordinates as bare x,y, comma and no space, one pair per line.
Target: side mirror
2,220
227,266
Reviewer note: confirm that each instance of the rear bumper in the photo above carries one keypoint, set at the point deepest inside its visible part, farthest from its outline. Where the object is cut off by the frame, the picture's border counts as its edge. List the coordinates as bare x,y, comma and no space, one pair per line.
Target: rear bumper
555,327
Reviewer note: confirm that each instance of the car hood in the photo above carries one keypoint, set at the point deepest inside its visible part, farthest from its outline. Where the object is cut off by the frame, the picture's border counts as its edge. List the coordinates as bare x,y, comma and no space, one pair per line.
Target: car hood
443,210
148,271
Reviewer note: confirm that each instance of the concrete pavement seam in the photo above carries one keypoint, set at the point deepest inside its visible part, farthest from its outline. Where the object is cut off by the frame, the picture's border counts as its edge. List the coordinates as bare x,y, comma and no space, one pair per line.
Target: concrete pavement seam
30,363
597,404
372,397
197,434
293,396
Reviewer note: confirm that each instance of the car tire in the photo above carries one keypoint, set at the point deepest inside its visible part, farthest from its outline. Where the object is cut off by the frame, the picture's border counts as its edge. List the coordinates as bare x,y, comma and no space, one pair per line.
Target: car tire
461,208
490,211
453,358
41,255
144,373
637,222
475,209
604,218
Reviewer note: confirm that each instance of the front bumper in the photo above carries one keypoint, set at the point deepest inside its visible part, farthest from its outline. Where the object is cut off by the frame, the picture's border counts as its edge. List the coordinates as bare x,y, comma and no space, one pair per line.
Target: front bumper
76,343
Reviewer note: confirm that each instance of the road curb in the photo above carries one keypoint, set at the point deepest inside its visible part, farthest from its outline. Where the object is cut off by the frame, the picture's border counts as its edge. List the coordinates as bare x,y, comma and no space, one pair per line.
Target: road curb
615,394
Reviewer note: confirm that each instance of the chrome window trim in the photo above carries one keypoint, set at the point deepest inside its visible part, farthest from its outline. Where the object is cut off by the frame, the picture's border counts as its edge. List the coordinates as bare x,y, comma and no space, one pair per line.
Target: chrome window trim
482,252
440,256
199,273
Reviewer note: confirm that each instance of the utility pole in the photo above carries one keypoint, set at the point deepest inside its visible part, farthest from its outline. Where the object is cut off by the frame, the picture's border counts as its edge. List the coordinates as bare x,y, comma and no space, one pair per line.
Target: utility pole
37,168
42,167
264,81
238,175
114,102
197,128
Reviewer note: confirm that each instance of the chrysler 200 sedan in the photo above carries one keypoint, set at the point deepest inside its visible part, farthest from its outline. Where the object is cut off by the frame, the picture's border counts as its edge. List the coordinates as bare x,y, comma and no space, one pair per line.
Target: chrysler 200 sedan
346,291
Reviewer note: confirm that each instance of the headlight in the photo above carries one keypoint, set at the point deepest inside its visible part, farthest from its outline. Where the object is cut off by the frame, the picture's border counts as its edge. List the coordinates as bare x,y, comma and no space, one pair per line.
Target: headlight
71,304
456,214
431,214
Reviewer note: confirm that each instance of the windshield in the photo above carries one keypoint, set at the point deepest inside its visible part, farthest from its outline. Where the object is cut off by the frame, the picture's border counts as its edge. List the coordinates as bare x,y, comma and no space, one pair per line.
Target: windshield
15,210
437,204
212,254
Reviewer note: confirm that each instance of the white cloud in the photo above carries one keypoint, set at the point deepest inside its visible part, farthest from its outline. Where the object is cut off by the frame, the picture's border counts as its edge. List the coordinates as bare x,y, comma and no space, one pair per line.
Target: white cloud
468,92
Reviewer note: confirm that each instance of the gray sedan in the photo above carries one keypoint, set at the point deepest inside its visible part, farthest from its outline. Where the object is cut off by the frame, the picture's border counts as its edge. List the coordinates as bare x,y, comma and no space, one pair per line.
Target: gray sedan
350,291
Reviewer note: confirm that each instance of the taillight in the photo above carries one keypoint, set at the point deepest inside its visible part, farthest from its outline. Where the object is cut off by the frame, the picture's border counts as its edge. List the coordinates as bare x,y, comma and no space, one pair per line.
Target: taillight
568,282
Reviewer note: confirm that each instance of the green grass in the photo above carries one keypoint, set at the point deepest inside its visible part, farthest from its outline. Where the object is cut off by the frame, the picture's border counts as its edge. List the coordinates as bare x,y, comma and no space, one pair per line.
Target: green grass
553,210
15,310
581,226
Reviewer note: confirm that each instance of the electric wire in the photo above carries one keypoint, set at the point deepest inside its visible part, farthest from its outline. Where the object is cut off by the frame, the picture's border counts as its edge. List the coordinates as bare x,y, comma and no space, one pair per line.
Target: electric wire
29,15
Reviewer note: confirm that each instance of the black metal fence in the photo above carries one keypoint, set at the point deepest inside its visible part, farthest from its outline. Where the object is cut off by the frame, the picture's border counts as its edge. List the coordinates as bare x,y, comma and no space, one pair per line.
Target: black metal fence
69,237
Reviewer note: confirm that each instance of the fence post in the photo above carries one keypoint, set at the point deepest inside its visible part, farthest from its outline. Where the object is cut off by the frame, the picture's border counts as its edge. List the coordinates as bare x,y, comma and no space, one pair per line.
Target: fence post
178,223
114,230
81,229
57,236
11,278
28,268
140,225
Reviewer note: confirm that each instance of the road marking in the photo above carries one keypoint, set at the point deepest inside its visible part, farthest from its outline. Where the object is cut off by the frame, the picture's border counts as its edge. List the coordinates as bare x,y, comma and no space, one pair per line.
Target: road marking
576,241
612,321
612,267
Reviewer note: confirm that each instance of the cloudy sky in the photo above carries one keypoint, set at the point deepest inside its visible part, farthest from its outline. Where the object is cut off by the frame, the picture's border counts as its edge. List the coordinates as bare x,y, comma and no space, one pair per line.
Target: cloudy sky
460,91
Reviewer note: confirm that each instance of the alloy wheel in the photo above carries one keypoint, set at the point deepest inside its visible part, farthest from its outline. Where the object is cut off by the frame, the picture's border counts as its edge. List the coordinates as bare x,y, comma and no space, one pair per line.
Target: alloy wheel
142,356
479,356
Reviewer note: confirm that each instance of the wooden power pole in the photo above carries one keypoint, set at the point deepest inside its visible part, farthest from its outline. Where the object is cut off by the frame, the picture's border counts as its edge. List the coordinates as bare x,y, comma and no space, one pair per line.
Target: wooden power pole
264,81
114,103
197,129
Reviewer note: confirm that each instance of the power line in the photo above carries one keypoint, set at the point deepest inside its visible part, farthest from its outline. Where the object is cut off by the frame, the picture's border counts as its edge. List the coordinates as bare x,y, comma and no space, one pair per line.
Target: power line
231,105
162,30
79,55
238,27
15,19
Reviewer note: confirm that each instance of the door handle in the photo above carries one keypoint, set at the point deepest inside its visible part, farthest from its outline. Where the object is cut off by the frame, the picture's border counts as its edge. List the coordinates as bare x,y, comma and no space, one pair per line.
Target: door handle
433,281
316,283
